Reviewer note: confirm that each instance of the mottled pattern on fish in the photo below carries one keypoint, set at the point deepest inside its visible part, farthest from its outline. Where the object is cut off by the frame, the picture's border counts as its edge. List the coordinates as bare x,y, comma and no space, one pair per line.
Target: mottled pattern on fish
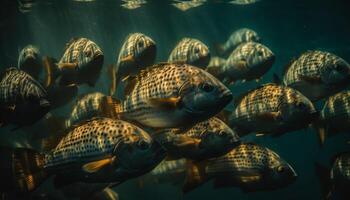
85,108
162,81
244,157
319,68
337,106
341,168
81,51
170,167
190,51
186,5
240,36
248,61
94,139
16,86
216,62
272,108
132,4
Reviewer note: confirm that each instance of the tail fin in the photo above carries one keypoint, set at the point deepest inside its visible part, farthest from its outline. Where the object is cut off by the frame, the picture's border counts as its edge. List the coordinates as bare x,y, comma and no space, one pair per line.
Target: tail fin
196,175
51,71
21,170
109,107
220,49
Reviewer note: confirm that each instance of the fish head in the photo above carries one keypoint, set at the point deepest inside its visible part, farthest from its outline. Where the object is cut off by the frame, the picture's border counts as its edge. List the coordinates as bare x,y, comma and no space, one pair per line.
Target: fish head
145,50
336,71
253,36
199,54
140,152
29,60
218,138
203,95
262,56
280,173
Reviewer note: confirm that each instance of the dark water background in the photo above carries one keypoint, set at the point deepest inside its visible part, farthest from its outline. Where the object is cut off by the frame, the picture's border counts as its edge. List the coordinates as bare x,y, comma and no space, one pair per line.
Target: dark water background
288,28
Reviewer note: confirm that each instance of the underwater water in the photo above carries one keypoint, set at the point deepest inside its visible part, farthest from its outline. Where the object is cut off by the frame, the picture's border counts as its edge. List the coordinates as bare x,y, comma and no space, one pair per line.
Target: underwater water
288,28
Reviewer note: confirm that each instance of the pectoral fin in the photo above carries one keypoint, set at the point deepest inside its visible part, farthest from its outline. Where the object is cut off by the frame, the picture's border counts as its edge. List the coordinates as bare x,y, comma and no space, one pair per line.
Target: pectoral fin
241,64
95,166
313,80
250,179
128,58
165,103
268,116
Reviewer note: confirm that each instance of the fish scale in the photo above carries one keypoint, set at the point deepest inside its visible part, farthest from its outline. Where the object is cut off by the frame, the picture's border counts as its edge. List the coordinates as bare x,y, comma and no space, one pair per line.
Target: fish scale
337,105
92,139
81,47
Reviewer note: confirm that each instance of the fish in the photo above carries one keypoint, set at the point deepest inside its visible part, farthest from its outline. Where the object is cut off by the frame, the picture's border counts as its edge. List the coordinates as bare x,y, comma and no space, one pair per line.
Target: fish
248,61
236,38
340,176
106,194
215,65
190,51
335,115
186,5
317,74
81,63
132,4
138,52
207,139
25,6
248,166
23,100
29,60
244,2
271,109
100,150
170,95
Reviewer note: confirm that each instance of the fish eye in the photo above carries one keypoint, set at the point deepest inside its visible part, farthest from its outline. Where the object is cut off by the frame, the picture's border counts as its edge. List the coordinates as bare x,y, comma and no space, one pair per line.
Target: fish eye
207,88
143,145
301,105
196,50
280,169
141,44
222,133
340,68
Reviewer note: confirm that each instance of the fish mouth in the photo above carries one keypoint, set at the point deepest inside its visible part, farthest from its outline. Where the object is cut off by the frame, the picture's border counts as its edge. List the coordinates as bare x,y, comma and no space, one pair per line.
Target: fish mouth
148,56
226,97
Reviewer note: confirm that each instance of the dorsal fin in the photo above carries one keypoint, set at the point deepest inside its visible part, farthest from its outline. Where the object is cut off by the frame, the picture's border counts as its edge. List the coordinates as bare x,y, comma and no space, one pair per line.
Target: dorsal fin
288,65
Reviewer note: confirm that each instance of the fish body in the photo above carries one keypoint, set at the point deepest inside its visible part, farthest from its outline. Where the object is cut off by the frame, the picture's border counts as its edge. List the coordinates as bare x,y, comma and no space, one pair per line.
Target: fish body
86,57
243,2
215,67
236,38
317,74
23,100
29,60
172,96
248,61
210,138
137,53
186,5
340,176
272,109
132,4
190,51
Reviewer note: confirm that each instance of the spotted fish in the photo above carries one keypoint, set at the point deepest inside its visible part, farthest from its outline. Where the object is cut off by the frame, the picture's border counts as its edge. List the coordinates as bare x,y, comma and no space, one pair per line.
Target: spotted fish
236,38
190,51
204,140
248,61
23,100
248,166
172,96
272,109
317,74
98,151
137,53
29,60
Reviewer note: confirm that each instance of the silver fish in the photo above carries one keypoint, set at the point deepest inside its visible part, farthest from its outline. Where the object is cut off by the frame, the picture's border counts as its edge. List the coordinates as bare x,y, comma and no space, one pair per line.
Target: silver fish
248,166
248,61
243,2
132,4
204,140
272,109
172,96
190,51
186,5
236,38
23,100
317,74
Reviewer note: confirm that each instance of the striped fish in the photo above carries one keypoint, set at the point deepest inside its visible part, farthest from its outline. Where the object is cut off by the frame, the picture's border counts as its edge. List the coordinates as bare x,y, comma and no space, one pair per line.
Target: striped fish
340,176
204,140
29,60
248,166
190,51
23,101
236,38
272,109
317,74
335,115
172,96
248,61
81,62
98,151
137,53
